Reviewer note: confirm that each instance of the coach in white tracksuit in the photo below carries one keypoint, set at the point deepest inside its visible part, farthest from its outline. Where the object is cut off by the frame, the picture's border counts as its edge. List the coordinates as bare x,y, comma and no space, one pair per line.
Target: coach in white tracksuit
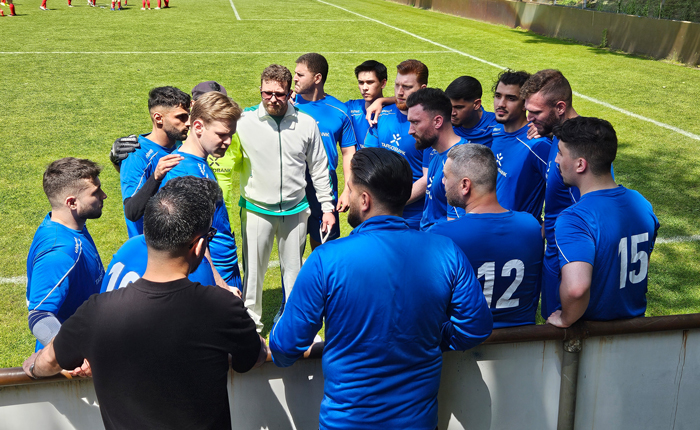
278,142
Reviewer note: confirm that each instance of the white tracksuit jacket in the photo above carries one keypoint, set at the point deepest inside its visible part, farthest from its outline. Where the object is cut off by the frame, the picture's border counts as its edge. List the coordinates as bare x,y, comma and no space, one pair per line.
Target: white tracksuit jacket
275,159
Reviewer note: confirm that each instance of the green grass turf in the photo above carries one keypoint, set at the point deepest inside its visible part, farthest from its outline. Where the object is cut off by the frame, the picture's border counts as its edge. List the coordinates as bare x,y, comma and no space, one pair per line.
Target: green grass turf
57,104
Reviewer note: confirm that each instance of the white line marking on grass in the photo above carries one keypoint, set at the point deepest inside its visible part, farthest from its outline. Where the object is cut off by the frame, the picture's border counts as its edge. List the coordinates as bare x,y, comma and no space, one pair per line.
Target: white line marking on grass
590,99
14,280
304,20
238,17
678,239
215,52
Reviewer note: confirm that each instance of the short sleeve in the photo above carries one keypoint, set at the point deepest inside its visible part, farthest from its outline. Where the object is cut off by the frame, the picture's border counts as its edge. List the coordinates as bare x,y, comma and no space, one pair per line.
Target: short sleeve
348,138
49,283
573,239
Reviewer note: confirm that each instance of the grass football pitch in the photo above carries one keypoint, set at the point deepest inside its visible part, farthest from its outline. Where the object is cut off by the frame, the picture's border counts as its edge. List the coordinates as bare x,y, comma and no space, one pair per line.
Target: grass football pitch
74,79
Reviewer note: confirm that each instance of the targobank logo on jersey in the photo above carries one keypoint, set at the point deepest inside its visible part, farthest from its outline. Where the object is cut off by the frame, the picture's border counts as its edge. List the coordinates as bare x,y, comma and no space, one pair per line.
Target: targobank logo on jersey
427,189
396,138
394,148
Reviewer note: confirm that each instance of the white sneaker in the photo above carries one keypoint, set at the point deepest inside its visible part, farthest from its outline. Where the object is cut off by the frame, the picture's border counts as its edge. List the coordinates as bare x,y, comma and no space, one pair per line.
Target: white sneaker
143,8
43,8
156,8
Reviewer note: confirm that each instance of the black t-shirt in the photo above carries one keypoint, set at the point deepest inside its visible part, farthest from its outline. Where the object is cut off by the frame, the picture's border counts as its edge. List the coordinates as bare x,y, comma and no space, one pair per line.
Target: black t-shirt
159,353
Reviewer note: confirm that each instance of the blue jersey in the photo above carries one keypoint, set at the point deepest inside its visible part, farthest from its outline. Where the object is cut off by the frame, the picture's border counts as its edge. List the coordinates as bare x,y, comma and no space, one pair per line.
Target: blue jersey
436,208
358,114
505,250
391,132
333,122
480,133
522,170
388,317
129,264
136,169
63,270
614,230
223,249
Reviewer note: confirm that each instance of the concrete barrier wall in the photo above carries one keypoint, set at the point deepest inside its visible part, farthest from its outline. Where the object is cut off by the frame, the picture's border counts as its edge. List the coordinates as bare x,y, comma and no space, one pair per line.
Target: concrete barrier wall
626,381
658,38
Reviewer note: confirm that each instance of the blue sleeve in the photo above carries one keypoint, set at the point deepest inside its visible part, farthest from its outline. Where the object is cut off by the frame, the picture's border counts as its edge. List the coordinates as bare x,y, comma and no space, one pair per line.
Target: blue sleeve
49,283
470,321
541,149
303,315
455,212
348,138
426,157
133,174
573,239
372,138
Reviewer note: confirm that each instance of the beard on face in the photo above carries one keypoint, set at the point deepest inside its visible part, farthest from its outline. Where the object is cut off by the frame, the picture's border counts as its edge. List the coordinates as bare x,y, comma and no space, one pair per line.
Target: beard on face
175,134
401,105
275,110
353,218
90,213
544,128
424,142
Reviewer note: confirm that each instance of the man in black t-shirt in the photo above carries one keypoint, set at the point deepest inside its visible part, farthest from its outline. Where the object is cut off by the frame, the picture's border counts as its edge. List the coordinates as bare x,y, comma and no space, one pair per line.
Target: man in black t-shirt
159,348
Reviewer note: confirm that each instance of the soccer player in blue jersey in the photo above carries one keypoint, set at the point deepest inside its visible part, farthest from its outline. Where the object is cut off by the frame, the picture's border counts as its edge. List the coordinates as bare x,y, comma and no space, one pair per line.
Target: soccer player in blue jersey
63,266
391,132
371,80
129,263
169,110
605,240
548,100
428,113
213,122
335,125
522,163
504,247
469,118
388,314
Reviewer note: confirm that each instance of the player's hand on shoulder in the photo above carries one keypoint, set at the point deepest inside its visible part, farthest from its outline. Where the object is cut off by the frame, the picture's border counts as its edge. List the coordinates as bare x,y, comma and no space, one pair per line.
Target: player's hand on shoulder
532,132
122,147
165,165
373,111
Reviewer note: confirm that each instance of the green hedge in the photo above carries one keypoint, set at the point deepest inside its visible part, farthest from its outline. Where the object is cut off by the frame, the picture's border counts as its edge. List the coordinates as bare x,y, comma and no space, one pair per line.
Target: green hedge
682,10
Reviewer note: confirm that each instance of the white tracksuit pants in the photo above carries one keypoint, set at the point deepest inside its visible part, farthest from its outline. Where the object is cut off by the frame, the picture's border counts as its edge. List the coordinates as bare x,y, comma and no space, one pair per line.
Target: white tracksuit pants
259,231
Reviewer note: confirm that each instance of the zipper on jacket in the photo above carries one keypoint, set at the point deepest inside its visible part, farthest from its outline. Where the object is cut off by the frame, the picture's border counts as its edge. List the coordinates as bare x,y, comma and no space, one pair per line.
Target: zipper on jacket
279,141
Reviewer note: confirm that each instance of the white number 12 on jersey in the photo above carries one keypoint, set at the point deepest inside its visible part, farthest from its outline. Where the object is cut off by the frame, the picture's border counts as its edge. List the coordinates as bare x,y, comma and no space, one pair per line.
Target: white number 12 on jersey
488,272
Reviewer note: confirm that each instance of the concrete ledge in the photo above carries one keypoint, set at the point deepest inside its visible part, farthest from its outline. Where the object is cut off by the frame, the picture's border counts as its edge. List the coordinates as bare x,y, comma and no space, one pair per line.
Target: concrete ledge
658,38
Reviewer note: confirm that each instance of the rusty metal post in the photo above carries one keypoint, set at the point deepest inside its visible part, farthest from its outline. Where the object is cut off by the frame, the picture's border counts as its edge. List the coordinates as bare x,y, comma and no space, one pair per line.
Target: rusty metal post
569,382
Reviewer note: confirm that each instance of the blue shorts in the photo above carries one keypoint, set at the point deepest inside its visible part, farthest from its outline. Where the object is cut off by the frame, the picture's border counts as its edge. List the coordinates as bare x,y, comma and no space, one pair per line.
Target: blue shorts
315,219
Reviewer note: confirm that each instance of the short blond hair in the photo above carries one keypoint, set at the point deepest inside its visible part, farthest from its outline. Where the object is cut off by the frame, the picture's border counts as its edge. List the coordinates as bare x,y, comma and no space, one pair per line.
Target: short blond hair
214,106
